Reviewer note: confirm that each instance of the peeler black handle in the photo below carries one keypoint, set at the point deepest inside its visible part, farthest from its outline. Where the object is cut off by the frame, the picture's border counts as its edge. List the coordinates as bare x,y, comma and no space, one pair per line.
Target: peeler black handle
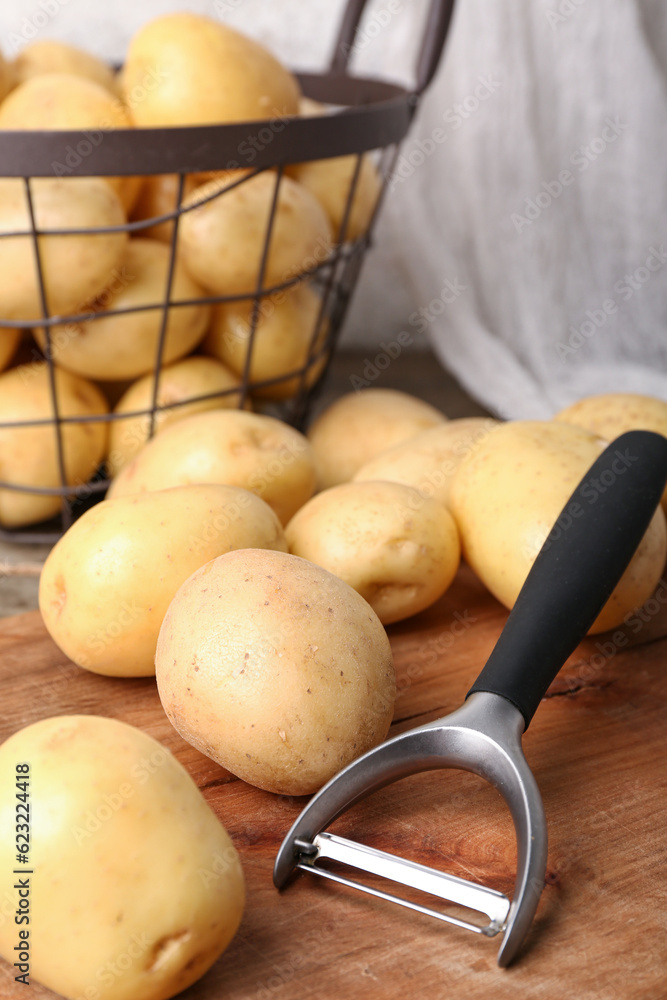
577,568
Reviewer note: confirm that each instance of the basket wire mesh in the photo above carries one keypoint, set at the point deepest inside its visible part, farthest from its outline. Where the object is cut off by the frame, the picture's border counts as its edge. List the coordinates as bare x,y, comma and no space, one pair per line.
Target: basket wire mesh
375,117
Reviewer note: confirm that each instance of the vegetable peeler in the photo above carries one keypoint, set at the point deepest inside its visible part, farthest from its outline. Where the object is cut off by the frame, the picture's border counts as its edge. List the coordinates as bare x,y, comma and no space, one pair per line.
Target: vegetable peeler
577,568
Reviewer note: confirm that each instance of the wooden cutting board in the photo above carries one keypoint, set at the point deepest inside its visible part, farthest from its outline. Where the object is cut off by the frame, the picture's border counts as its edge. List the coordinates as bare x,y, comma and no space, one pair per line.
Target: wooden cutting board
596,747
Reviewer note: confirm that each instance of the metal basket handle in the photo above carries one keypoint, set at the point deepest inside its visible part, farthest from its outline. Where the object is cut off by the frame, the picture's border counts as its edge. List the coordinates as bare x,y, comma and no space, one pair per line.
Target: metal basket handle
433,41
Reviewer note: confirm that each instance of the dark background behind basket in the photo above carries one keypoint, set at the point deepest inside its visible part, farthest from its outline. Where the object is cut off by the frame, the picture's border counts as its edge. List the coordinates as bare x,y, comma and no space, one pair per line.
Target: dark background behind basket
374,116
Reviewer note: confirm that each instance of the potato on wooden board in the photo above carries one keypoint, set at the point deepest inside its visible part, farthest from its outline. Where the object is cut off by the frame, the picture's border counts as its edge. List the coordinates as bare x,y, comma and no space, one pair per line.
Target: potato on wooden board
222,240
398,549
276,669
125,346
9,341
428,461
137,887
360,425
57,101
506,498
185,69
614,413
47,55
106,585
179,382
259,453
29,456
76,268
281,343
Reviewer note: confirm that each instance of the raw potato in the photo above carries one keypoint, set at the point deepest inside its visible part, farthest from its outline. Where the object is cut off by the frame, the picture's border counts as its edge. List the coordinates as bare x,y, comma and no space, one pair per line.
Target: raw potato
106,585
281,343
428,461
329,180
259,453
76,268
9,341
125,346
222,240
507,496
158,196
398,549
308,108
185,69
6,77
28,455
138,888
614,413
185,380
57,101
50,56
360,425
276,669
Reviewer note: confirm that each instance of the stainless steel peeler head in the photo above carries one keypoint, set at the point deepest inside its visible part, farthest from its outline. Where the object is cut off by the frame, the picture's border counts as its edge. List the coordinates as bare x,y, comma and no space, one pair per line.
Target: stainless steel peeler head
571,579
483,736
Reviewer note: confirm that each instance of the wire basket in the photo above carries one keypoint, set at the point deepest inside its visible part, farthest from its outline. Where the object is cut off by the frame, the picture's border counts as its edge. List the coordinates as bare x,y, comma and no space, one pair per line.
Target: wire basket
371,116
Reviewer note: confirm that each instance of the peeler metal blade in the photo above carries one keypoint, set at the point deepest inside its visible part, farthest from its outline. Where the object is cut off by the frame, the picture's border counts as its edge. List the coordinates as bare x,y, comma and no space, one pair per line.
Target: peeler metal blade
457,890
484,737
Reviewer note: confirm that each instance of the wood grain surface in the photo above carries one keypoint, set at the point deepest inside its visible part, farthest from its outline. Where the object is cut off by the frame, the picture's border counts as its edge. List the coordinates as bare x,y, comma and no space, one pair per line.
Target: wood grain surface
596,747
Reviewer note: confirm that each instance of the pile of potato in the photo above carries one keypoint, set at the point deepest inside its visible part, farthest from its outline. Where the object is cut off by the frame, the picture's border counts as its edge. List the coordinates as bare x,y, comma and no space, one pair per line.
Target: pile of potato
251,568
181,69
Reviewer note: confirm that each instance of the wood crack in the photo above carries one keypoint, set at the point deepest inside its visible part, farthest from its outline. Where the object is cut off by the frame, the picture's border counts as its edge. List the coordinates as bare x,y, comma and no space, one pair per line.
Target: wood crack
424,715
576,688
214,782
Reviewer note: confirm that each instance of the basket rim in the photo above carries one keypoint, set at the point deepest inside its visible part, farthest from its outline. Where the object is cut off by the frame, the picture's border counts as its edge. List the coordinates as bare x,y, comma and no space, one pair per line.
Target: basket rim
375,114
